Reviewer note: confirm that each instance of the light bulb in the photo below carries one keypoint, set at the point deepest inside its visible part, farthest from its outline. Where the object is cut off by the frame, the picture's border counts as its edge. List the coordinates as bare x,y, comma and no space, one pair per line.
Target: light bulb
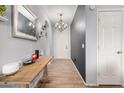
59,26
33,26
30,24
65,26
56,25
63,23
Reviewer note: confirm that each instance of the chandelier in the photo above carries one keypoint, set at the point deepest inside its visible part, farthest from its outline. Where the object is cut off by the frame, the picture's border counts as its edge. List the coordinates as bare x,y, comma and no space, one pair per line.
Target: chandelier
60,25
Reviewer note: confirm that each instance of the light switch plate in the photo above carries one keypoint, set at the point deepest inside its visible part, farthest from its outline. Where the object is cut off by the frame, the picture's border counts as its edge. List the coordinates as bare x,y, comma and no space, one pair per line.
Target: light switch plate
83,46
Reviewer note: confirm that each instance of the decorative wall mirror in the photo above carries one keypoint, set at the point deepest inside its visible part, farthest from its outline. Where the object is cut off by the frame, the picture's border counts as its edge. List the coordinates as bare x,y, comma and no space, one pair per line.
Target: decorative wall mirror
42,27
24,23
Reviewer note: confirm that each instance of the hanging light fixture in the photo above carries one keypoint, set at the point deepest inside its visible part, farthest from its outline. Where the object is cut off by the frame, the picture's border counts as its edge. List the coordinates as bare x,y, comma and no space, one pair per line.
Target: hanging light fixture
60,25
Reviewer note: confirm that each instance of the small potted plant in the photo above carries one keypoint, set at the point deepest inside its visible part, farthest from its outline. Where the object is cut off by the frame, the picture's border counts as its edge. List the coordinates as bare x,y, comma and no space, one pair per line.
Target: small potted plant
2,10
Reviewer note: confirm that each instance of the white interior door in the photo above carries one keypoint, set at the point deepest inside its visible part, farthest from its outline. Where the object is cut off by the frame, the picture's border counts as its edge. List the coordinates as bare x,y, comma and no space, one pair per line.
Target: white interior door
109,43
62,44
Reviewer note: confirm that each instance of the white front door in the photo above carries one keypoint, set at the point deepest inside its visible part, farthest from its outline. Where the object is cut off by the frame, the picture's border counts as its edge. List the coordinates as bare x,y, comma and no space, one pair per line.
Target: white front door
109,47
62,44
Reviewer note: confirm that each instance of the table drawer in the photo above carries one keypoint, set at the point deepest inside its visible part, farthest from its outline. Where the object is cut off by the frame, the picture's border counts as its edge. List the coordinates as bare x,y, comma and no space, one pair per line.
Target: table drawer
38,78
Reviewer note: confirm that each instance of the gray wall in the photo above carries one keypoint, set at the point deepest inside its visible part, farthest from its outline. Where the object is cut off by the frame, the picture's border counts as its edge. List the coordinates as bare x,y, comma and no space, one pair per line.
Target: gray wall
91,42
13,49
77,39
91,46
43,43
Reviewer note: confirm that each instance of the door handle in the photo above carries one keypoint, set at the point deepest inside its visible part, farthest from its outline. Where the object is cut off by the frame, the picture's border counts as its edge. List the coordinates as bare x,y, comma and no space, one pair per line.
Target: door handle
119,52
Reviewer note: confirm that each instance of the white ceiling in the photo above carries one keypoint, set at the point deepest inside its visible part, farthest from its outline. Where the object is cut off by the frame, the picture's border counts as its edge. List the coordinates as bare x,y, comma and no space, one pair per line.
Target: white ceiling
67,10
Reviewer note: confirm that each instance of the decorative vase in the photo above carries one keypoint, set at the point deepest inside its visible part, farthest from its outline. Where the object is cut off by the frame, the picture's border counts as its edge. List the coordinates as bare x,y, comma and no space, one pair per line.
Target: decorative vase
37,53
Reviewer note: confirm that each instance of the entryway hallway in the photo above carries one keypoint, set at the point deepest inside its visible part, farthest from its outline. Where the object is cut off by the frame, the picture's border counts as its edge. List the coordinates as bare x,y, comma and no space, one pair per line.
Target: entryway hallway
63,74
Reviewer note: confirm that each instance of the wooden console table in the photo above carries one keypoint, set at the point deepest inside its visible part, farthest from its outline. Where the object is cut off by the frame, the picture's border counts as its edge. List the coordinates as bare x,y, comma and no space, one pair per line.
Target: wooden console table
28,76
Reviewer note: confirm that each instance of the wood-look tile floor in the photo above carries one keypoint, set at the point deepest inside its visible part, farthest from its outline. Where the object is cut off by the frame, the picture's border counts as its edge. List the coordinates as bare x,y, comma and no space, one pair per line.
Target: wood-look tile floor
62,74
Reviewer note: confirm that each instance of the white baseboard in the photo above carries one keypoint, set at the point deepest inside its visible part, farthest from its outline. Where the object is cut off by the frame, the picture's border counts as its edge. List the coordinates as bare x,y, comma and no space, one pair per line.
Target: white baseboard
122,85
92,85
78,73
87,85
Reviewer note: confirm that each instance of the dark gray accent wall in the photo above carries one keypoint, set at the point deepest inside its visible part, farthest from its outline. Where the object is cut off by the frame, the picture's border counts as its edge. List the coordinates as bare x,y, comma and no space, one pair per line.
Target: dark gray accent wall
77,39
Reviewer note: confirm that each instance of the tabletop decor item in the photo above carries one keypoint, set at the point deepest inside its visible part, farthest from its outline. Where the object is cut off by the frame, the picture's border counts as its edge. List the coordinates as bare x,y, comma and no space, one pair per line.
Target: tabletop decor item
10,68
27,62
2,10
37,53
34,57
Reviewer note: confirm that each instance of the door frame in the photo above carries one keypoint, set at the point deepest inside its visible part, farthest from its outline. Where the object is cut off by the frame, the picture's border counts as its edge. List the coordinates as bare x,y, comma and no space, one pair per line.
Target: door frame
122,44
68,40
